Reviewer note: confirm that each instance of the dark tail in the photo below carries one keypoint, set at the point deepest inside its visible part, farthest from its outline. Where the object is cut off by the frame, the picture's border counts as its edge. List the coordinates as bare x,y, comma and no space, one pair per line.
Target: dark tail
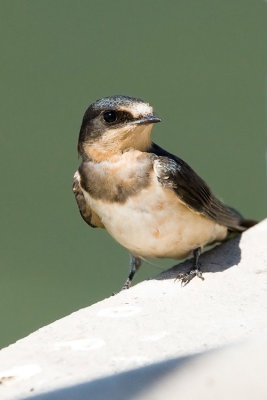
248,223
243,224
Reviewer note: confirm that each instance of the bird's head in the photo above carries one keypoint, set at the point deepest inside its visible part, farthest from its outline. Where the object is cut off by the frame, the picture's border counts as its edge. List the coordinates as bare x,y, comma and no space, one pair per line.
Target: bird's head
114,125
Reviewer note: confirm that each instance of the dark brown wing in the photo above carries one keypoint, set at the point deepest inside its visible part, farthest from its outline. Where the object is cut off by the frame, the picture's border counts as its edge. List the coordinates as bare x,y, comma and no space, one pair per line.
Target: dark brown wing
89,216
176,174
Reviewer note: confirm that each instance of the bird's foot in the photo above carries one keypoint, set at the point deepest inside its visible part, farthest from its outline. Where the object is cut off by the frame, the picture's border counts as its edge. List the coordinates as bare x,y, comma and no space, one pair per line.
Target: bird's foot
127,284
186,277
135,265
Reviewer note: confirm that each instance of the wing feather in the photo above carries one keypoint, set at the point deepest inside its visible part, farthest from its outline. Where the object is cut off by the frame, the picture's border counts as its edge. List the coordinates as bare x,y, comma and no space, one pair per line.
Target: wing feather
89,216
177,175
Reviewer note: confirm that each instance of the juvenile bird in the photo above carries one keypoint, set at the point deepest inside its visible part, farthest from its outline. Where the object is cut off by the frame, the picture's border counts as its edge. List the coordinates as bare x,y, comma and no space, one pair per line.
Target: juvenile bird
149,200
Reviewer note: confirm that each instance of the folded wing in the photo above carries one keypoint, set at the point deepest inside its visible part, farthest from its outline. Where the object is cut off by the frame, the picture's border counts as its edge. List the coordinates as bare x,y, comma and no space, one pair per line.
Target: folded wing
176,174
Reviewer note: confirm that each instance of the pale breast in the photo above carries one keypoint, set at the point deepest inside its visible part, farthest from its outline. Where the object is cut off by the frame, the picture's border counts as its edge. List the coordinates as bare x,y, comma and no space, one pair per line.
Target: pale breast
155,223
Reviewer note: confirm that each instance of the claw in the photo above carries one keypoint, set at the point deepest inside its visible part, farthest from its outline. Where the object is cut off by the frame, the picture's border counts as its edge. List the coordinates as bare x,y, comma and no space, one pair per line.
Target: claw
135,265
186,277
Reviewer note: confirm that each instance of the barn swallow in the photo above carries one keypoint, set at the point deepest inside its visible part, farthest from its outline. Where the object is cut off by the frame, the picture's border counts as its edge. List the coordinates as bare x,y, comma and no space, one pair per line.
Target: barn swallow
149,200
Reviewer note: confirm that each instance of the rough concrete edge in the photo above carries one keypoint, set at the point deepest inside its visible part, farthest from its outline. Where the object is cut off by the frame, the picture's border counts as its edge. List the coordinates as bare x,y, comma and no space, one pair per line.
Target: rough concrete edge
157,368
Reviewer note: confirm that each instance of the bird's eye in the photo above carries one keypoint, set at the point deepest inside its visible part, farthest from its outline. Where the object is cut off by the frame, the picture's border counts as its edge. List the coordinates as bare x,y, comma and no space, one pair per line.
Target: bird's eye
110,116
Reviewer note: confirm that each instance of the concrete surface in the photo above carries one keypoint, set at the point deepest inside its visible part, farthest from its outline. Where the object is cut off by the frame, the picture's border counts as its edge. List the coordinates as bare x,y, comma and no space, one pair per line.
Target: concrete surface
157,340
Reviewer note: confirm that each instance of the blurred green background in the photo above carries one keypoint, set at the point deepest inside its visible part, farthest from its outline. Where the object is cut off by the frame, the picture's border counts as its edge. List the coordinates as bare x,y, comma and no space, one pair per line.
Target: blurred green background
200,64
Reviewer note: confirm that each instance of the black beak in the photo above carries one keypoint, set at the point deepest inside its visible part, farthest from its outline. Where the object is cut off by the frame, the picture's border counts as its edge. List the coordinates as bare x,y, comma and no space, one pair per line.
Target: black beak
148,119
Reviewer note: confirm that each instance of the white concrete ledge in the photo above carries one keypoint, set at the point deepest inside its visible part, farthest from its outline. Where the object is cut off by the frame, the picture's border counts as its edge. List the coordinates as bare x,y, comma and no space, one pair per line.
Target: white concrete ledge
157,340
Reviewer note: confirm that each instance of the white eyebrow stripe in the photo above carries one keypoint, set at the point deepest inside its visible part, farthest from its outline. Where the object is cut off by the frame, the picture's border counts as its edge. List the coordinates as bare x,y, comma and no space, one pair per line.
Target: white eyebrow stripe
138,109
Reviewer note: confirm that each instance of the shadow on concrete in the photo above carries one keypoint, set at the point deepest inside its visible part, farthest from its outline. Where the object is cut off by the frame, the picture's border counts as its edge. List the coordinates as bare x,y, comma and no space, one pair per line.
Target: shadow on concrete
122,386
219,258
134,384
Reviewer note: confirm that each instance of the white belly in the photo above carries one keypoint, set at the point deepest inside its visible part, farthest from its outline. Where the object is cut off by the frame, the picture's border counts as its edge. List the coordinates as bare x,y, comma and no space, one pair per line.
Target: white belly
154,223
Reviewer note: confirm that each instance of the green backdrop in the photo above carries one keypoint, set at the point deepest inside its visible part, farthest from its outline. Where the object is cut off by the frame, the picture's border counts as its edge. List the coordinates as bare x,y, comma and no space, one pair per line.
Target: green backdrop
201,64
